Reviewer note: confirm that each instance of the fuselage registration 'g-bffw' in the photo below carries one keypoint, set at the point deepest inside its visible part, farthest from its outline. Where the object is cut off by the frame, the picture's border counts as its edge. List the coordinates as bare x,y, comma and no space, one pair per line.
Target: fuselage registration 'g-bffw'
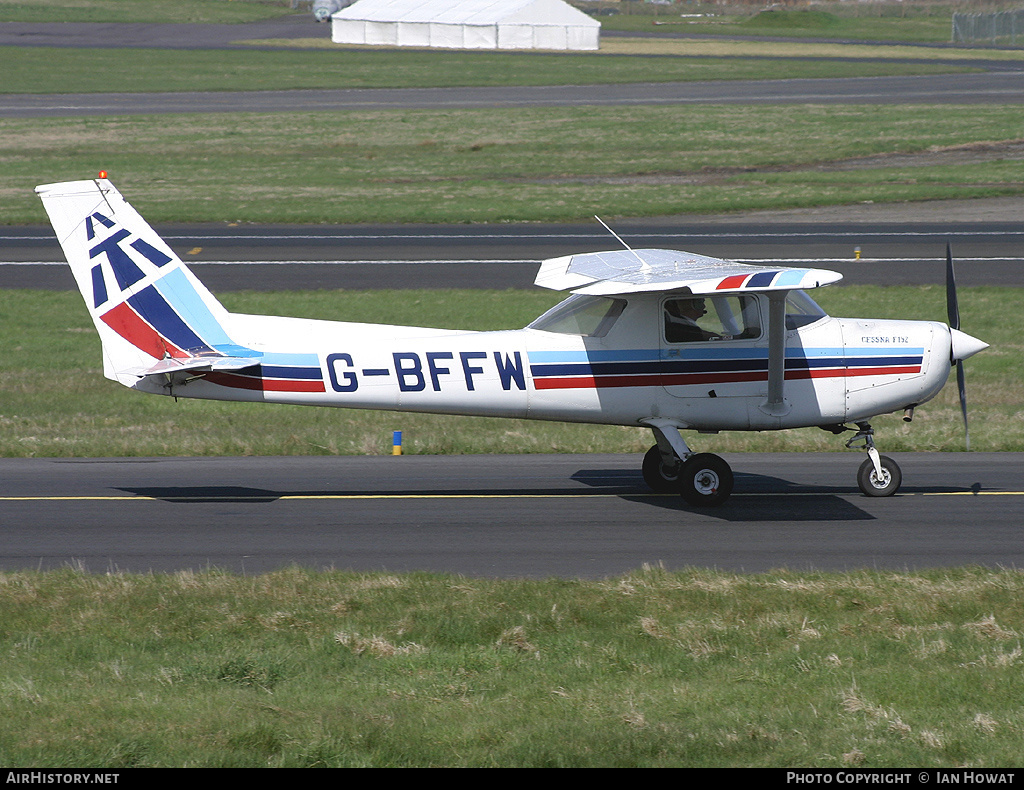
668,340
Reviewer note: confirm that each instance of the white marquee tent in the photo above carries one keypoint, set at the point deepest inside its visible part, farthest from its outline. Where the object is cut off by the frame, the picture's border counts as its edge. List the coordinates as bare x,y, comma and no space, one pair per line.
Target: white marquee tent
466,24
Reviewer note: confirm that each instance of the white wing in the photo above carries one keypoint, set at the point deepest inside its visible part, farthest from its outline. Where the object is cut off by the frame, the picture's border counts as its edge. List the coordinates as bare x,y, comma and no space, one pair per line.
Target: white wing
634,271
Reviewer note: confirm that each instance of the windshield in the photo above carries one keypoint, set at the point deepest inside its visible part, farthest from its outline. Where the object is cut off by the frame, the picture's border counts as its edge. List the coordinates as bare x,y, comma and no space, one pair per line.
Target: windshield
801,310
589,316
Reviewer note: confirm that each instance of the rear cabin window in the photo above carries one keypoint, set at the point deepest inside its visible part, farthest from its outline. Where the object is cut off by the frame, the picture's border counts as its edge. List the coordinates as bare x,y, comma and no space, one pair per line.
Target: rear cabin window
589,316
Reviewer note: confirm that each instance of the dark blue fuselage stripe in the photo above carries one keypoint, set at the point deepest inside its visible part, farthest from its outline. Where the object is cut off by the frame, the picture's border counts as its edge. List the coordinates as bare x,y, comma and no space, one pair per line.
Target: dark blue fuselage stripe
280,372
149,304
873,362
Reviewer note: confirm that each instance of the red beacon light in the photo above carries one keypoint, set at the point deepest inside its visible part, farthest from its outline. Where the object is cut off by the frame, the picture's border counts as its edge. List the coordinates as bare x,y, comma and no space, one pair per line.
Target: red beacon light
103,173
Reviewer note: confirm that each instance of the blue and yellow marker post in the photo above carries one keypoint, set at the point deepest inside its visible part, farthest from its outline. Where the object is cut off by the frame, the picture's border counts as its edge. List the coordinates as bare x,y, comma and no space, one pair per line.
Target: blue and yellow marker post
396,443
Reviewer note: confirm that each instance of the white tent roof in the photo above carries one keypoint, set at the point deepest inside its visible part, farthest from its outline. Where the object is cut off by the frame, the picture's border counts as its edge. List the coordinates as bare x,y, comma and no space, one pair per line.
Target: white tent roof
468,12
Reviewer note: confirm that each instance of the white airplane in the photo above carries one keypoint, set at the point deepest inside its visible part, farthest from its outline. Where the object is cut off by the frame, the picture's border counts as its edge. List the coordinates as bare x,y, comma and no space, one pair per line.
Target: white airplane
668,340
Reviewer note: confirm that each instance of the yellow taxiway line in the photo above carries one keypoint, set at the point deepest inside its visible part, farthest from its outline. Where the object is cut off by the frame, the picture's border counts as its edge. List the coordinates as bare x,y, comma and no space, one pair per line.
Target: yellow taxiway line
314,497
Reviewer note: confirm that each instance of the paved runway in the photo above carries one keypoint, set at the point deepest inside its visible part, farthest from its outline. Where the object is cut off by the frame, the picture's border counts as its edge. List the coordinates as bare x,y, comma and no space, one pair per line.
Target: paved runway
506,256
583,516
987,88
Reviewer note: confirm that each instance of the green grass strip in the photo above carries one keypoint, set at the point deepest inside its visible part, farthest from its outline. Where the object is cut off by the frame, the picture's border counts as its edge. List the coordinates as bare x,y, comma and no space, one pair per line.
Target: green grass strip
526,164
59,70
165,11
693,668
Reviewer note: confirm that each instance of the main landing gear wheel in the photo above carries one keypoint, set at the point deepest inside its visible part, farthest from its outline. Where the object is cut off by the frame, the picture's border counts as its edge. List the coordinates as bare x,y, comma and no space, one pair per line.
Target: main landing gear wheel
705,480
874,485
662,479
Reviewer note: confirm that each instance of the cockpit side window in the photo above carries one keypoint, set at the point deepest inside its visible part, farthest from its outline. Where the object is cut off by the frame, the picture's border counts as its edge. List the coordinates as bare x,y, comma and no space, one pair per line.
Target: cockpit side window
801,310
589,316
695,319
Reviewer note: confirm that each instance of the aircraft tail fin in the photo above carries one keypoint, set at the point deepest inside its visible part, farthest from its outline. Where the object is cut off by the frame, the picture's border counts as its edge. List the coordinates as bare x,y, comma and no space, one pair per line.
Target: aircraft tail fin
147,306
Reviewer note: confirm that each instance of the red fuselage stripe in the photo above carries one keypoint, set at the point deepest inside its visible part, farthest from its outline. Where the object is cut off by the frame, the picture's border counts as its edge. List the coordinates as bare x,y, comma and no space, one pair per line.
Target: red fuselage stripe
129,325
264,385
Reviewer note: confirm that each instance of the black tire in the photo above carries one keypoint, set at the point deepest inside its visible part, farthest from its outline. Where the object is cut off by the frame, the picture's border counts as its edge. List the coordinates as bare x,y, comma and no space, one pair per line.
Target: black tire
705,480
661,479
871,485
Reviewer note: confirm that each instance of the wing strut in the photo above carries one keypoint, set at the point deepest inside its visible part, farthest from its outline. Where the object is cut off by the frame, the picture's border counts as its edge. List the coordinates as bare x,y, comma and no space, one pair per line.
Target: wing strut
776,404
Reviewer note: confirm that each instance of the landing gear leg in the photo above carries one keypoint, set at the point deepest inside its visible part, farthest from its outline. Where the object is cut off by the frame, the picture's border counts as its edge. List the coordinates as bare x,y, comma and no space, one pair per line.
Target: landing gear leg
662,462
879,475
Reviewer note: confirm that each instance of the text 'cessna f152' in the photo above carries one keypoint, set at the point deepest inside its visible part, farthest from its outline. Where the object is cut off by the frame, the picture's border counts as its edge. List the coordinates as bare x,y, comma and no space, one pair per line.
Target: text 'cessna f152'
668,340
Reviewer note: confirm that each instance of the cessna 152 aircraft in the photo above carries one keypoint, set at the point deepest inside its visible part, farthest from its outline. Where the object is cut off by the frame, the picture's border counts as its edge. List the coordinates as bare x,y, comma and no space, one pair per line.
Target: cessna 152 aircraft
668,340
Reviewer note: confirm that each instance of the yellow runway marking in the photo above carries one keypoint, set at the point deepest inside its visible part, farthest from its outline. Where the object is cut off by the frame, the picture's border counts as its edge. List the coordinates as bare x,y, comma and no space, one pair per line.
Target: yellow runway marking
314,497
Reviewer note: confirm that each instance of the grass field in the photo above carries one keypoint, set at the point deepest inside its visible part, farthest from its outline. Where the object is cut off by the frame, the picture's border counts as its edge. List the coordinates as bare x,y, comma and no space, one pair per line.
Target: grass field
324,65
55,402
834,56
653,669
493,165
844,21
173,11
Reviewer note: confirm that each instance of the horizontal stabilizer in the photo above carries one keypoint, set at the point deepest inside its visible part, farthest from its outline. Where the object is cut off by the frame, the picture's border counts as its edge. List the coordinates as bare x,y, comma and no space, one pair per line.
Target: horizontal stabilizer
197,365
636,271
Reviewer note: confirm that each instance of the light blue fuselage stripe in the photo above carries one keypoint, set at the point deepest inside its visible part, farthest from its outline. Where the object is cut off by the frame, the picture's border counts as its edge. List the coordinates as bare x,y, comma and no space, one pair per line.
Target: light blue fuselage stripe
719,352
186,301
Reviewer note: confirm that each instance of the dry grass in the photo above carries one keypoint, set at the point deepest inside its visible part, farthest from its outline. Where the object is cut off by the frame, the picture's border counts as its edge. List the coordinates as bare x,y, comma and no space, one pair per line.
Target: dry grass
831,50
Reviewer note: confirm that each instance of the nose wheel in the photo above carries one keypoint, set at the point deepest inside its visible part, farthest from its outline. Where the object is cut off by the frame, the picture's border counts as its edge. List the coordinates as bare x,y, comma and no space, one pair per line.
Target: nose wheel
879,475
879,483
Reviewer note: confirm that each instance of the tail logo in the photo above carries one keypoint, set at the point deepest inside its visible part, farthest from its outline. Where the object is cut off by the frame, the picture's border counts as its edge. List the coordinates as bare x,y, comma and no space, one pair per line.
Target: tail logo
125,269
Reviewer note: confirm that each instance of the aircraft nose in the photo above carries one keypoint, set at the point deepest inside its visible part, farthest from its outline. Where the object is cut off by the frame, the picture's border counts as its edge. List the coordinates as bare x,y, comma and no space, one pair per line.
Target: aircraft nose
962,345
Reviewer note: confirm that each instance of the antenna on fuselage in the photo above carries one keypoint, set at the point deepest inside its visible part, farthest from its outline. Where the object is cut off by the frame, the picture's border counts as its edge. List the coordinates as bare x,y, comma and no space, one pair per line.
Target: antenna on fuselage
644,265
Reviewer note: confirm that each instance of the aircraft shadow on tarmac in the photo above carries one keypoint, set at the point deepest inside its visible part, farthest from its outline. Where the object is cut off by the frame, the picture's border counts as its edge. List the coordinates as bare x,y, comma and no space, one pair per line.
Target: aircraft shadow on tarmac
759,497
756,498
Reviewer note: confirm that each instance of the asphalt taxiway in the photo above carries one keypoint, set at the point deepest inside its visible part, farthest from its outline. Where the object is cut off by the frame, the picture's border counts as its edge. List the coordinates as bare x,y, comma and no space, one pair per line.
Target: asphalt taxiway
585,516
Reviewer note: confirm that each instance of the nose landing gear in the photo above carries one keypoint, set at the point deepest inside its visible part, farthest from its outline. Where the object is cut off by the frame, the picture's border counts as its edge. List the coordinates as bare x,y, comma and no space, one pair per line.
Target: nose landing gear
879,475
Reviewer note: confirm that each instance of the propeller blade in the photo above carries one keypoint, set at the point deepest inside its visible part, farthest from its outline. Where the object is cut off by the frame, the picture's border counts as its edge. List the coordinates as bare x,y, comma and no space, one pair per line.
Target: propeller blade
953,313
952,308
962,387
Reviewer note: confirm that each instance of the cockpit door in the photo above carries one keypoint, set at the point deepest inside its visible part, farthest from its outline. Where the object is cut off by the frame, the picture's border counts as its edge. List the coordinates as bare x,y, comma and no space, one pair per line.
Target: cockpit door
713,346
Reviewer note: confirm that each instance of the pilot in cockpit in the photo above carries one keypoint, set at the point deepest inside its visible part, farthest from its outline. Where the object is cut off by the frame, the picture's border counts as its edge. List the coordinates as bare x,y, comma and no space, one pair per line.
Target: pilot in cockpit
681,317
